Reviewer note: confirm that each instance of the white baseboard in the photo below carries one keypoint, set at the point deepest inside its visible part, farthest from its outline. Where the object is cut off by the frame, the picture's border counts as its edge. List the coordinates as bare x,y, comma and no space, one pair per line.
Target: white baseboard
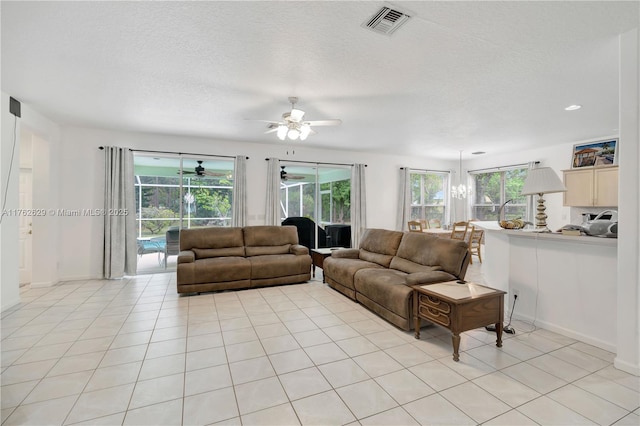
10,304
627,367
79,278
43,284
607,346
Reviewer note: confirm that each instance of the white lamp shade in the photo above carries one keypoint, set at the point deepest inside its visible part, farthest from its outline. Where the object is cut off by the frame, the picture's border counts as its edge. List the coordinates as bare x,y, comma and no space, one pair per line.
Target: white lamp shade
293,134
305,129
282,132
542,180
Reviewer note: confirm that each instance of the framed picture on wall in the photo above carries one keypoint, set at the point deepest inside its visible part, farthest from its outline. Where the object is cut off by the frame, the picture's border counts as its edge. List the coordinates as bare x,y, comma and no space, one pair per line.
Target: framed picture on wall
595,154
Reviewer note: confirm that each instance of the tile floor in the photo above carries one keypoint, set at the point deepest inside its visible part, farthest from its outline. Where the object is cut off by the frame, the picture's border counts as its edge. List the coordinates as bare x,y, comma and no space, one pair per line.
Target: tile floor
133,352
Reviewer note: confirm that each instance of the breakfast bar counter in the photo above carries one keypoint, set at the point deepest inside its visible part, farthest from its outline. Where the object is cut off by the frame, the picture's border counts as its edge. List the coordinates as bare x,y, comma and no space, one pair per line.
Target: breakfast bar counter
566,284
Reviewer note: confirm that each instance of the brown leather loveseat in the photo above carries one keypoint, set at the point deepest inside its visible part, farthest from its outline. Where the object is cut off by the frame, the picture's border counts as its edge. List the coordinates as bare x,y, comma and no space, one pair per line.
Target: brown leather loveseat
218,258
381,272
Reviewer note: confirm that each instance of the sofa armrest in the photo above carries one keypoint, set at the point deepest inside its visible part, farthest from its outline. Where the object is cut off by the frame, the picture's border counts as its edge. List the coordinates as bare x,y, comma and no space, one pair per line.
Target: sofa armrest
186,256
299,250
348,253
421,278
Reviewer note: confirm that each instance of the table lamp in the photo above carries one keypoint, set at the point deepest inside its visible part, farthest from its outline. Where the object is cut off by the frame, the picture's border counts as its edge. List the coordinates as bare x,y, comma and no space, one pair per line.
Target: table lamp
542,180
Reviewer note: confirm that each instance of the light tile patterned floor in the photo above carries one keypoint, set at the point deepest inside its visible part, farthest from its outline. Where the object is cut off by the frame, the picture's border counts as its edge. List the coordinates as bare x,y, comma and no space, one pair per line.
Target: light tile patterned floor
134,352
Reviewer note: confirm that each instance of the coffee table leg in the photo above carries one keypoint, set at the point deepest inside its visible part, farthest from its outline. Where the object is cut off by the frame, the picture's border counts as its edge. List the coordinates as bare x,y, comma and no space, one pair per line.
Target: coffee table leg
313,270
456,346
499,334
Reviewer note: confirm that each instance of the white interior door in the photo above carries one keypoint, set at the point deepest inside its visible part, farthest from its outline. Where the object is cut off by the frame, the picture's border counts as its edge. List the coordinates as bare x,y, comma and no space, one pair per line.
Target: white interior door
25,225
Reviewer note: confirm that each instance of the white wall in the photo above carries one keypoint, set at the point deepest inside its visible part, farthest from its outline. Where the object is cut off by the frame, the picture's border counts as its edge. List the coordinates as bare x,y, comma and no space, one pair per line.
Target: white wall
44,136
9,293
82,178
628,317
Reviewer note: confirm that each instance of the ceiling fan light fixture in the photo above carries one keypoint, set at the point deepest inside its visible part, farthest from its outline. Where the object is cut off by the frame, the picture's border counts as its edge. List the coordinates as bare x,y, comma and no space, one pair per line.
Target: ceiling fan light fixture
293,134
282,132
305,130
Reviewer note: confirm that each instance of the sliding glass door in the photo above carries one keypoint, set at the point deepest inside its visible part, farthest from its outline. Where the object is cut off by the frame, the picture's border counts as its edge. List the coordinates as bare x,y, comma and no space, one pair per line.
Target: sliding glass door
173,193
320,193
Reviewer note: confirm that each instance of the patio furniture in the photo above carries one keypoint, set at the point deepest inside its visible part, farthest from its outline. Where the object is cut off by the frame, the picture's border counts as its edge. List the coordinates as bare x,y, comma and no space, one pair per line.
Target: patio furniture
306,232
172,243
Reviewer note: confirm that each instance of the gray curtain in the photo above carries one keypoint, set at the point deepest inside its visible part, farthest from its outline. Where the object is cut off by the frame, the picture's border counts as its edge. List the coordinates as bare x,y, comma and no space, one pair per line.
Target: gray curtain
239,215
120,246
358,204
530,214
404,204
272,213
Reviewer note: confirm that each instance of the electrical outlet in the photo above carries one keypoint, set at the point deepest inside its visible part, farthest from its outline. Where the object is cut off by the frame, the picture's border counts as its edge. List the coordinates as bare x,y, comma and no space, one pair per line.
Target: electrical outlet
516,292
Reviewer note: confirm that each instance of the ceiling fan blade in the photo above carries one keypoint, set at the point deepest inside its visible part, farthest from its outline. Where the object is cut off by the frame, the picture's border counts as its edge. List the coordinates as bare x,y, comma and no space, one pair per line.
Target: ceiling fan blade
215,174
296,115
332,122
275,129
264,121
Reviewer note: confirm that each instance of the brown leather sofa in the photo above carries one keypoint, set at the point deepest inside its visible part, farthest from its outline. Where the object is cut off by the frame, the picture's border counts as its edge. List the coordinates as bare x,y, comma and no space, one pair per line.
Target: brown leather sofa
218,258
381,272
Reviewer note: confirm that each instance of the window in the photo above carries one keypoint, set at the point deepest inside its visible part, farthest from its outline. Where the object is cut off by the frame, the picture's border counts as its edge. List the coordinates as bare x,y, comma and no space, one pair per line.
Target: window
428,195
493,188
202,197
298,194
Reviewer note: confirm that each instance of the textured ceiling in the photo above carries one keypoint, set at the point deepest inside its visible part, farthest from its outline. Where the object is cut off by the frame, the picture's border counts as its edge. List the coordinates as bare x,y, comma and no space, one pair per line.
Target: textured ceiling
490,76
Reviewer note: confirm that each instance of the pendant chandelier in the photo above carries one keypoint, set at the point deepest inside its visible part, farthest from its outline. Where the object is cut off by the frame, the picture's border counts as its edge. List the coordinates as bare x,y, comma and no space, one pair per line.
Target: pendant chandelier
460,191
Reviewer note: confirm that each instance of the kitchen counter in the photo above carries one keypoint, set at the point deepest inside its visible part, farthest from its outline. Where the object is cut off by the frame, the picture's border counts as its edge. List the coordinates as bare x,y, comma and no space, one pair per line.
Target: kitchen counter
566,284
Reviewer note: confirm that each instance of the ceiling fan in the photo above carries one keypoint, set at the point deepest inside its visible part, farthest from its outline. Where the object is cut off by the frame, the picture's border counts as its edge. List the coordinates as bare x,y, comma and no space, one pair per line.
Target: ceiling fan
286,176
293,126
200,171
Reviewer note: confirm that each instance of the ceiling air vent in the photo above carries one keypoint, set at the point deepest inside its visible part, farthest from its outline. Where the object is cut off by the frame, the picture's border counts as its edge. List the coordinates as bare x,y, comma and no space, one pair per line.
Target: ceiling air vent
386,20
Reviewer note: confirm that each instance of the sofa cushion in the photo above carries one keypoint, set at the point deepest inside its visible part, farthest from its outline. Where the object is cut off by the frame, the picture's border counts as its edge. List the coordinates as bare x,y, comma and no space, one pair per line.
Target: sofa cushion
221,269
279,265
410,267
423,249
264,250
211,238
379,246
261,240
387,288
204,253
343,270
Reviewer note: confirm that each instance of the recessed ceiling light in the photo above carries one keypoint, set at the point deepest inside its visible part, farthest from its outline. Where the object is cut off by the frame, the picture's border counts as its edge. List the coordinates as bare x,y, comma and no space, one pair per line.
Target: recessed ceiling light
478,153
573,107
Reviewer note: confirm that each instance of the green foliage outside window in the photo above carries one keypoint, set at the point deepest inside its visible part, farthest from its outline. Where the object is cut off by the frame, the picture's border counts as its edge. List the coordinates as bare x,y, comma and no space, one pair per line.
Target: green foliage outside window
428,192
492,189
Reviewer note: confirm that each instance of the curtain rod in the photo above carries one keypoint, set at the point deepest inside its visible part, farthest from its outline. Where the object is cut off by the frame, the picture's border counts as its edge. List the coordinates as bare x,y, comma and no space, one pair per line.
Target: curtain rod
179,153
502,167
316,162
426,170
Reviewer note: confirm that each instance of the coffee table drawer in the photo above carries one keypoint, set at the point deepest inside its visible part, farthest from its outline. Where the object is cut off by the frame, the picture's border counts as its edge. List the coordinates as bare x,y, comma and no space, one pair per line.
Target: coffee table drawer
433,314
435,303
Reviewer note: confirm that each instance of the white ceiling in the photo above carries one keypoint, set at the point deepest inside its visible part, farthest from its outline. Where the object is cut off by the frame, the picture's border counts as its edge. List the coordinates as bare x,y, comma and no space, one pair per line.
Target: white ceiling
490,76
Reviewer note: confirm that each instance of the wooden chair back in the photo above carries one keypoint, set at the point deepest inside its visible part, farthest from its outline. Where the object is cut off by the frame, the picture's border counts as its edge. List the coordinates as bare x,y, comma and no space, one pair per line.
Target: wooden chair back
459,231
415,226
435,223
475,241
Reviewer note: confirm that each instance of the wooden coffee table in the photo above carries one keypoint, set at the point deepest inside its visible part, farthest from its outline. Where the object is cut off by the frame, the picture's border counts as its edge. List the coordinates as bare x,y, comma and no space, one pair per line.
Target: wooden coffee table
459,307
317,258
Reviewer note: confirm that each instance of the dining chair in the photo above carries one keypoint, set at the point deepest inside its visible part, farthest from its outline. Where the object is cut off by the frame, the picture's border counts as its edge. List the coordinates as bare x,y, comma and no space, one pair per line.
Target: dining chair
475,241
424,223
434,223
459,231
415,226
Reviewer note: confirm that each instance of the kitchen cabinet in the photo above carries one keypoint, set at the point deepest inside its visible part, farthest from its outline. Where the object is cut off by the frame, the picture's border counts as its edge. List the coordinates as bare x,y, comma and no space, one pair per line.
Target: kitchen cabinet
591,187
